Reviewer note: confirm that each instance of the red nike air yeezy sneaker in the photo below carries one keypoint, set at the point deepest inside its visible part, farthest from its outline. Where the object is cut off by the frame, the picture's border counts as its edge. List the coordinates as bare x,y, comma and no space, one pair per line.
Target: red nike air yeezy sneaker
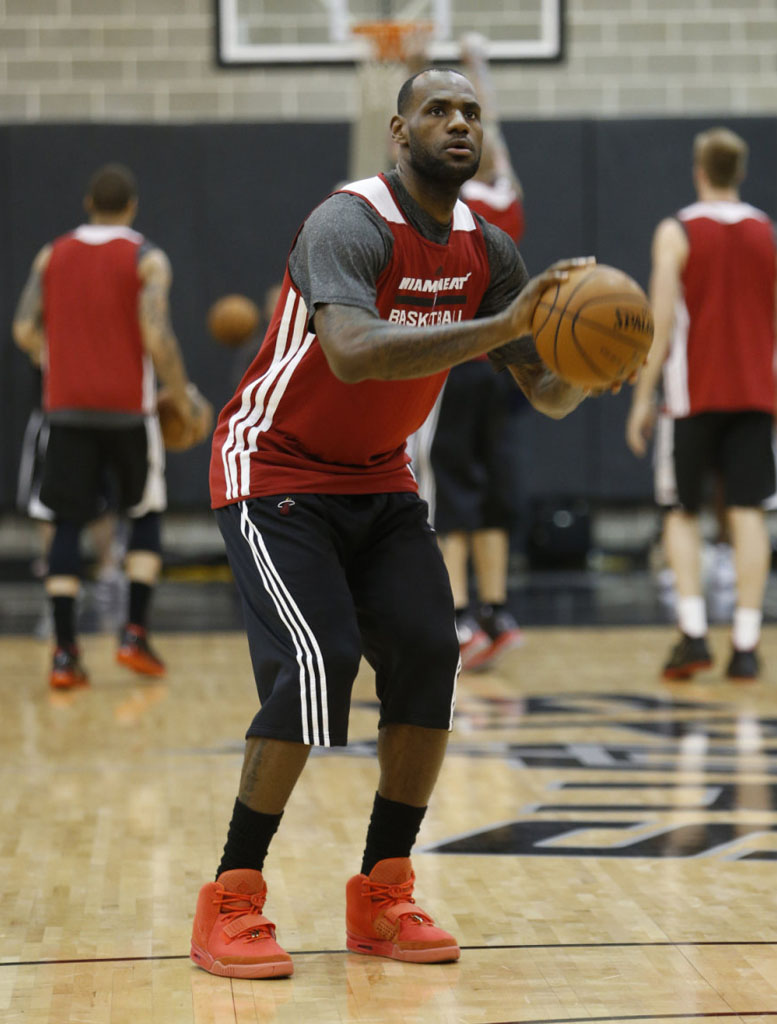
382,918
231,936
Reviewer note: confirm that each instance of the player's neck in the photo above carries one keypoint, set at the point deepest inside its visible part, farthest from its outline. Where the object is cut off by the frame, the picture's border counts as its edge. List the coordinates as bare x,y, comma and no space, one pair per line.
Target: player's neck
111,220
709,194
435,198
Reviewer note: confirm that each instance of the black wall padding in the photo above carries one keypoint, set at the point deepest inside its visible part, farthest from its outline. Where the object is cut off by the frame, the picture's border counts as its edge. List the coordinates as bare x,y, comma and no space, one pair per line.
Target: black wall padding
225,200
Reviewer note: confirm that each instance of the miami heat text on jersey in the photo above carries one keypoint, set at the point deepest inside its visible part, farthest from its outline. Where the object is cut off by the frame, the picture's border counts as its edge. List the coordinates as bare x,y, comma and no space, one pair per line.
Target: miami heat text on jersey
292,426
428,291
95,358
722,351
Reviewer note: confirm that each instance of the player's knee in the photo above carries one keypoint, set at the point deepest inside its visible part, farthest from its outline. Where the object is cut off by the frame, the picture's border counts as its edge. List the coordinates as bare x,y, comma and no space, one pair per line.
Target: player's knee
146,533
65,554
341,662
433,648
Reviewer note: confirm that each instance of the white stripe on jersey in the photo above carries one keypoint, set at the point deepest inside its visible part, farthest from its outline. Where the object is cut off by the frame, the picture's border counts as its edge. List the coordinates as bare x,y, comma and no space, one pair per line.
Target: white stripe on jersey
724,211
154,497
677,396
100,234
500,194
419,448
377,192
664,479
463,220
309,657
254,401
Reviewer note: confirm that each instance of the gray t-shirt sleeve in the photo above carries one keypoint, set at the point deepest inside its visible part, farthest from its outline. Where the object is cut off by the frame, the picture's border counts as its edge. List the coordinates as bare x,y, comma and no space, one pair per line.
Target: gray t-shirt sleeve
508,271
340,253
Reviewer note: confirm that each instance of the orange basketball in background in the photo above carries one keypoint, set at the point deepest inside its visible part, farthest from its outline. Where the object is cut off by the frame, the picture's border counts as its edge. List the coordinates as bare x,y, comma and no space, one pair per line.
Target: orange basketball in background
595,328
232,319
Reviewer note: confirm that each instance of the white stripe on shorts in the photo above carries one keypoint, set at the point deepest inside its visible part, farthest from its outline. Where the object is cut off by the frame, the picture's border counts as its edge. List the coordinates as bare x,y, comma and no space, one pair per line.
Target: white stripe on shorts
309,657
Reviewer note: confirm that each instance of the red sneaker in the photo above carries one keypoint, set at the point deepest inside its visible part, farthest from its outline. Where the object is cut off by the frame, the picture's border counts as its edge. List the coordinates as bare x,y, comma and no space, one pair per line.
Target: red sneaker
230,935
67,670
134,652
382,918
473,641
504,634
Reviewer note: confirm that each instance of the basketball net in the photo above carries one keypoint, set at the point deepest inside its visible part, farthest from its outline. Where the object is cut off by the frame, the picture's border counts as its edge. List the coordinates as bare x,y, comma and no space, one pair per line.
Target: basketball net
389,46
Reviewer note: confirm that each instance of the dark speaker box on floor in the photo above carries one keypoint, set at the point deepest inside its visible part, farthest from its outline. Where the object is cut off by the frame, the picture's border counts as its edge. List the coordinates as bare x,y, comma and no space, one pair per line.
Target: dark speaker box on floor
559,534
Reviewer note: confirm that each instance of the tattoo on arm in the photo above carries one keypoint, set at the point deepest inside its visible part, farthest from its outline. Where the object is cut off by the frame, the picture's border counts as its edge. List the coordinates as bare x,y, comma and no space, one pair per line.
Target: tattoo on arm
360,346
30,305
518,352
249,778
154,313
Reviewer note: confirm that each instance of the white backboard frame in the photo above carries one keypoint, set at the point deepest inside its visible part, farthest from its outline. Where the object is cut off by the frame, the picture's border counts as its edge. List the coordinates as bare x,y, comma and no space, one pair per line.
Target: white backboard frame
232,51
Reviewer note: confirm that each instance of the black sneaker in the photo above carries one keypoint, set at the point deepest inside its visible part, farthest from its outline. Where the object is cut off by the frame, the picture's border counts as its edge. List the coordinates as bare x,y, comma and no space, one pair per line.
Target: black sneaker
135,652
67,670
503,630
743,665
689,654
472,640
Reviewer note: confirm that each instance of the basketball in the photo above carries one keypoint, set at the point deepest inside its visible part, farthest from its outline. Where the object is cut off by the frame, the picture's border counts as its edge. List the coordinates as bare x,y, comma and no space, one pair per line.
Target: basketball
179,435
232,319
595,328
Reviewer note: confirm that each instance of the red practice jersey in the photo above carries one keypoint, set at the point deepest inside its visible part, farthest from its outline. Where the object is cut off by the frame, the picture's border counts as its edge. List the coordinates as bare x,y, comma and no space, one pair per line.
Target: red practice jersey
95,358
292,426
723,345
497,203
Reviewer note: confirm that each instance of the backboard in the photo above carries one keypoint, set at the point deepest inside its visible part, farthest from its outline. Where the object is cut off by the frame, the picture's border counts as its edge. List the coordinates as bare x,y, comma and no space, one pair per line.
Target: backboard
252,32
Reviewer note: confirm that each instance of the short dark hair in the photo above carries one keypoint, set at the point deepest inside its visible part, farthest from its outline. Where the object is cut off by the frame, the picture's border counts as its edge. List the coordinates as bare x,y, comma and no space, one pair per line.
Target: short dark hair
112,188
722,155
406,90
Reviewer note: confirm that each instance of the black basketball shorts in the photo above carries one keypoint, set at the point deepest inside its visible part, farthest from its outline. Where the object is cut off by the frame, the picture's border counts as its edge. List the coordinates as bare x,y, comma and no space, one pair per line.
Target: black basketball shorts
325,579
737,445
81,463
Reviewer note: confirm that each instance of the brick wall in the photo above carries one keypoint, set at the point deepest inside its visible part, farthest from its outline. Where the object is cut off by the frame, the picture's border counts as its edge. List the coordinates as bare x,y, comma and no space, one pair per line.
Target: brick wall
153,60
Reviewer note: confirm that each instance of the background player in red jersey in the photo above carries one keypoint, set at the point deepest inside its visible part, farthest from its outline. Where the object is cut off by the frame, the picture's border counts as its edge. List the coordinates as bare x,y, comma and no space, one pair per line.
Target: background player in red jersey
464,455
328,540
713,293
94,315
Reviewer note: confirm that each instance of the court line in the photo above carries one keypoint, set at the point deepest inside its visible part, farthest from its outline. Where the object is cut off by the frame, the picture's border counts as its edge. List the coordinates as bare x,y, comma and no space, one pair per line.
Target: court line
644,1016
472,949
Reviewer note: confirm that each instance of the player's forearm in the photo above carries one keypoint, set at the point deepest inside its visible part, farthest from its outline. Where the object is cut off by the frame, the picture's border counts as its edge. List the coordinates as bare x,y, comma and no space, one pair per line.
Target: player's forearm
360,347
548,393
168,364
30,339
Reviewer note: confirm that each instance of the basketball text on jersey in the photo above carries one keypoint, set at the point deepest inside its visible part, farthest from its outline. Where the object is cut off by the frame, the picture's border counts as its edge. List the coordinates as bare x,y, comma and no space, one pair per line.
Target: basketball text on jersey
429,291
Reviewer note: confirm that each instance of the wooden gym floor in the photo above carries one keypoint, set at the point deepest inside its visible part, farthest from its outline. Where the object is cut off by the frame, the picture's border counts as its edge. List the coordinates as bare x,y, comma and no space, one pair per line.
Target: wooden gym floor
602,844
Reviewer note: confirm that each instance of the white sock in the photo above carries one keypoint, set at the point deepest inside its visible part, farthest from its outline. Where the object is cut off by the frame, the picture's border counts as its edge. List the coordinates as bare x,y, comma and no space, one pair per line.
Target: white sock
747,628
692,616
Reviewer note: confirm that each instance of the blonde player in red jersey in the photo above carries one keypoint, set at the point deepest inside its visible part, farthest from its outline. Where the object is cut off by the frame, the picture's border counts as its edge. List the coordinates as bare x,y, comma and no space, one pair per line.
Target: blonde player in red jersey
713,294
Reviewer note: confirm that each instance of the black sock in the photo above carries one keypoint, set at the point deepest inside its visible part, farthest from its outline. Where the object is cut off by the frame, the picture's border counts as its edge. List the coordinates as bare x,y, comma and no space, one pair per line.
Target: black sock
64,620
248,839
392,831
139,600
487,614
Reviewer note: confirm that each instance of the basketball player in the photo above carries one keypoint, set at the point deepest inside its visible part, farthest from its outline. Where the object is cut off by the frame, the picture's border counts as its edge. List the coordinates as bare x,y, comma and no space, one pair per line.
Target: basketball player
464,456
713,293
327,538
94,314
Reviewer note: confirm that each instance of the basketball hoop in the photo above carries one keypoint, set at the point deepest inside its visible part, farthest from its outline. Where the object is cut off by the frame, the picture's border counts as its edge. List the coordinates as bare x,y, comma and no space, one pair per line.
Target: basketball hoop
392,46
389,39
